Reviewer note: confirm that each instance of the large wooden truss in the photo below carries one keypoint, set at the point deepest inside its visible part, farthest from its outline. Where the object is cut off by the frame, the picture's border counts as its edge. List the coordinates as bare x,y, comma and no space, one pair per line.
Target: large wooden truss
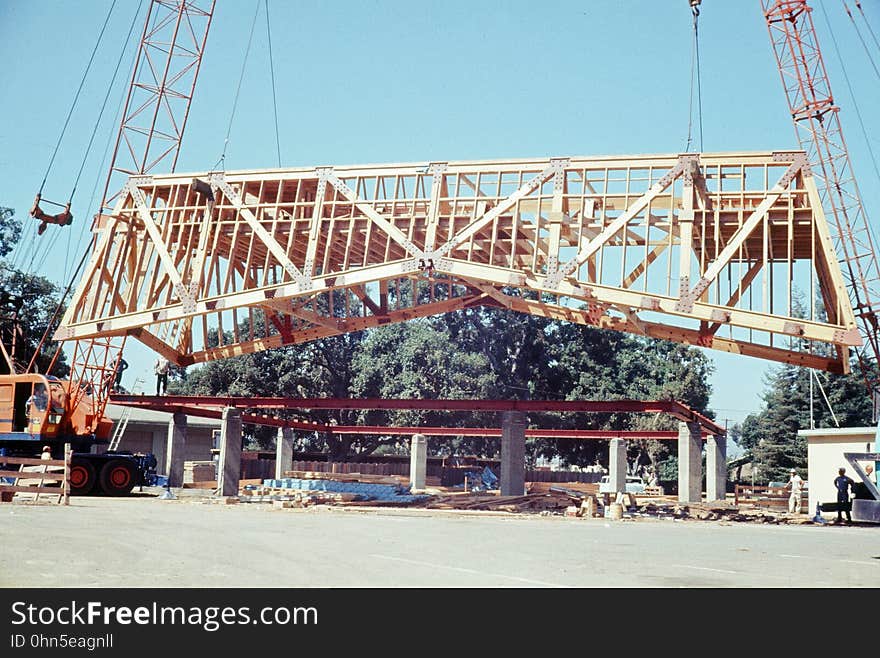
729,251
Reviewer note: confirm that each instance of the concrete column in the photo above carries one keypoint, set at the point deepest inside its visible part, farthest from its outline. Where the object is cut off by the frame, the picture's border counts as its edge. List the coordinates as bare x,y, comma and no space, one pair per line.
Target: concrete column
617,465
418,461
513,453
229,472
690,463
175,450
283,452
716,468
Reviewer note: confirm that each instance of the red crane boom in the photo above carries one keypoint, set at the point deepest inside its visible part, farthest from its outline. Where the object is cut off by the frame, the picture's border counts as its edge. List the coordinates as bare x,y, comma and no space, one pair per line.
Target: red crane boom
817,124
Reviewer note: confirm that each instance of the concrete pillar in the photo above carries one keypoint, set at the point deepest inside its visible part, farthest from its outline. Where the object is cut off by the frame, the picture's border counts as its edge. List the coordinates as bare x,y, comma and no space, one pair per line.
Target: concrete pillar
716,468
617,465
175,450
418,461
283,452
229,472
690,463
513,453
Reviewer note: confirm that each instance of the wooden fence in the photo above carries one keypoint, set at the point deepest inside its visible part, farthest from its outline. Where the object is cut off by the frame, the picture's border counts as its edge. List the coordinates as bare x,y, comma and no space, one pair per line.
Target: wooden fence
63,492
261,465
770,497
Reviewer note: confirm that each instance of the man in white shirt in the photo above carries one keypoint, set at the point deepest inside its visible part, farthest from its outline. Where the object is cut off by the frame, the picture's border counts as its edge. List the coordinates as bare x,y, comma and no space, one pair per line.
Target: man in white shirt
794,499
161,368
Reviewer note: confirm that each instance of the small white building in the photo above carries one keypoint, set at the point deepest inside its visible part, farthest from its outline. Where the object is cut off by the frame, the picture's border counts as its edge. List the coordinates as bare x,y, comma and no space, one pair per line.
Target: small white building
825,448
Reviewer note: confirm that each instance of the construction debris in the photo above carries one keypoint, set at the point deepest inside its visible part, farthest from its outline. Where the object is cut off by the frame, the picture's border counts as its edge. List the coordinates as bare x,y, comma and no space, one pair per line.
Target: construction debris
302,489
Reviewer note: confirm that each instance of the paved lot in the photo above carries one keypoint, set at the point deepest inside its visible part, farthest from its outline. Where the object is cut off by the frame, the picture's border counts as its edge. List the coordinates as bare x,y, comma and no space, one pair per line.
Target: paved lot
143,541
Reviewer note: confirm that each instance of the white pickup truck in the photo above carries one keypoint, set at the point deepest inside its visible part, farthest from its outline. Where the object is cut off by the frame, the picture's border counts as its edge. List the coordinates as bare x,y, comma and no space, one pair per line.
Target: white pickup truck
634,485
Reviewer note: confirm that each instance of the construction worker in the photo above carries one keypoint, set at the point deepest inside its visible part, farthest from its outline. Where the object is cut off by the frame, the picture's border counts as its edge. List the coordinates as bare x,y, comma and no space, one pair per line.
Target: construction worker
47,453
843,484
121,365
39,398
796,484
161,368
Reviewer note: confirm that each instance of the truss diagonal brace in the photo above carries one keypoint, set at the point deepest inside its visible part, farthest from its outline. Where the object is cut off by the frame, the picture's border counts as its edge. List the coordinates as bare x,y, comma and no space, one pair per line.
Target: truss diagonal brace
553,280
556,165
686,301
182,290
64,332
303,282
395,233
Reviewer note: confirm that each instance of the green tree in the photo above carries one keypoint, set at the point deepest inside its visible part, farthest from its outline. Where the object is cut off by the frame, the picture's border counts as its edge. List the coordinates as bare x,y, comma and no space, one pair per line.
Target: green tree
471,353
532,357
420,360
27,306
771,435
10,231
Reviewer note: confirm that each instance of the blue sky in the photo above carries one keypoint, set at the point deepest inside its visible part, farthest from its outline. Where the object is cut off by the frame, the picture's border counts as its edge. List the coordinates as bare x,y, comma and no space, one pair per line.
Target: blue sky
397,81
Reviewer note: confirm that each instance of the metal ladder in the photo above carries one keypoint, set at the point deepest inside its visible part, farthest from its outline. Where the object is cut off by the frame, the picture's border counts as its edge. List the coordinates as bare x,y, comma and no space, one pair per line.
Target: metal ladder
119,429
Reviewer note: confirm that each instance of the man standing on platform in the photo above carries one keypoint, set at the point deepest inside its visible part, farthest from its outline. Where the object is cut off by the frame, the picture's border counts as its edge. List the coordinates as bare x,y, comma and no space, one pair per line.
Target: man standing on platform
161,369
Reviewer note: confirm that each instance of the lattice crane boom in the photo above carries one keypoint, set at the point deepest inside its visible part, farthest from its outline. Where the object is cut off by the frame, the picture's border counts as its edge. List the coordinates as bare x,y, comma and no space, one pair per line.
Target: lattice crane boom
150,134
817,123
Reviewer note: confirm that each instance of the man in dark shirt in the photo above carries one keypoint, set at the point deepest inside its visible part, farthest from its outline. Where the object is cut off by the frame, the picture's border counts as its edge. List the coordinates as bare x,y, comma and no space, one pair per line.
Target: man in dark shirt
843,484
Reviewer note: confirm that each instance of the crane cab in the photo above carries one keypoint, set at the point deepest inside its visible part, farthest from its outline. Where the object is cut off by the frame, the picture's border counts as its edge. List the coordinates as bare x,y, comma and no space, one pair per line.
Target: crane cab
32,407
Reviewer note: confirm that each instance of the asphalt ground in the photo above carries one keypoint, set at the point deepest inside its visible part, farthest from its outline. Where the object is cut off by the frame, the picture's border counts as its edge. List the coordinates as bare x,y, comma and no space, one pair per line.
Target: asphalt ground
142,541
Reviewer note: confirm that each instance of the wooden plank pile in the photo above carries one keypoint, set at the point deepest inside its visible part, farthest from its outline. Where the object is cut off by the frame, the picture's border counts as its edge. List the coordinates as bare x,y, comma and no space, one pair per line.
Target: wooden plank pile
584,488
199,471
348,477
533,502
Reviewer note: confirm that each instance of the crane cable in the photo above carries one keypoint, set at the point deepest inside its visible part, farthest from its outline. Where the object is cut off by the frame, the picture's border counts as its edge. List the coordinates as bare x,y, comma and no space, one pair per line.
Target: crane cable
29,254
852,94
272,73
76,97
110,134
861,38
695,79
63,297
867,24
39,253
221,163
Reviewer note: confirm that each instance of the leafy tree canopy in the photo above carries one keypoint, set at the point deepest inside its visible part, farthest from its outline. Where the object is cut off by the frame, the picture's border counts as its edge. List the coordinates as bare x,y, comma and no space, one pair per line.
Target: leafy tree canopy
771,434
471,353
27,306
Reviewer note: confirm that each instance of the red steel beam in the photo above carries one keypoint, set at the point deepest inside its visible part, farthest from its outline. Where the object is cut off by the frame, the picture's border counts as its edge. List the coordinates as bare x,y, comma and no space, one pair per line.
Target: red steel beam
192,404
271,421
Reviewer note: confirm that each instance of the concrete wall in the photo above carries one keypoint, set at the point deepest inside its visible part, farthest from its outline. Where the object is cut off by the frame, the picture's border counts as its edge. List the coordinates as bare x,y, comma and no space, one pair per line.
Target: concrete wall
825,448
149,438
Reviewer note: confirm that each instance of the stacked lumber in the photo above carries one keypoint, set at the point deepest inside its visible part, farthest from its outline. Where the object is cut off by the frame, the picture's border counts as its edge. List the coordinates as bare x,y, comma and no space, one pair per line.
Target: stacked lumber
199,471
347,477
585,488
536,502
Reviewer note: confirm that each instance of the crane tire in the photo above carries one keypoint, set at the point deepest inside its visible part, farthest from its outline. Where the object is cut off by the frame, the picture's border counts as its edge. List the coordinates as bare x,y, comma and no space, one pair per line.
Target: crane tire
117,478
82,477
